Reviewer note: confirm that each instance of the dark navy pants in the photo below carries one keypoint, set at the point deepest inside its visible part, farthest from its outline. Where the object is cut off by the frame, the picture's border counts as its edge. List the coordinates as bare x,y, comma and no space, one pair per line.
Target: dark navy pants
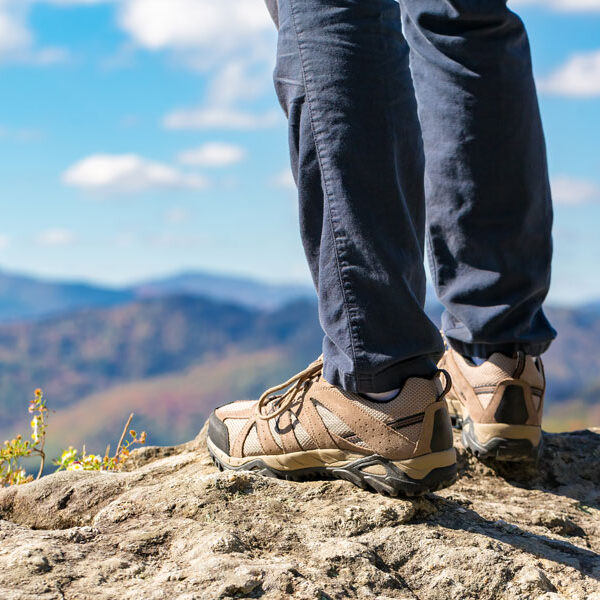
410,123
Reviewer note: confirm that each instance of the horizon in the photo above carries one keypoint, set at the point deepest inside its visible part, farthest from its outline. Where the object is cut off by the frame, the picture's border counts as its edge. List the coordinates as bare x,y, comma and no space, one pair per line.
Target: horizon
242,277
158,276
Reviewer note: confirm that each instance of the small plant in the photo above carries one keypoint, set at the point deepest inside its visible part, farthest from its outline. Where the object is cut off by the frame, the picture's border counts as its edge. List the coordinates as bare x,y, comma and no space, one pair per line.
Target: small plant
13,451
73,460
11,471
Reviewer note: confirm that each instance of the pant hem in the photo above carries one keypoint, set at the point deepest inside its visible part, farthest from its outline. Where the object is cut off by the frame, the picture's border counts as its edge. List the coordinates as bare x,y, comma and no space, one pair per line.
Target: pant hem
390,378
484,350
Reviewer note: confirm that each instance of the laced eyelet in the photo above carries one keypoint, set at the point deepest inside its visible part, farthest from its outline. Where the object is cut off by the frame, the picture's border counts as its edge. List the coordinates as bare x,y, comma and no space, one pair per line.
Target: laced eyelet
296,384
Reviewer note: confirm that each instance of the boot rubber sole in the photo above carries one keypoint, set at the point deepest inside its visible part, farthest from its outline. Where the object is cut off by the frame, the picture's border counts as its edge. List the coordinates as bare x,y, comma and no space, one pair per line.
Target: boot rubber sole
503,442
411,477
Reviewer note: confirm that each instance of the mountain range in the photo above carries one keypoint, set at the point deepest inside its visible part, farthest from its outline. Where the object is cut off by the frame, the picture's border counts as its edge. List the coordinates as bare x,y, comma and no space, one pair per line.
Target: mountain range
25,297
173,349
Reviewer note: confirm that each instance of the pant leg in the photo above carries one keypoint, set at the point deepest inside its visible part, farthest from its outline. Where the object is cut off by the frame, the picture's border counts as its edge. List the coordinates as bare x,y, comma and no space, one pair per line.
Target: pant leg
342,78
489,210
273,9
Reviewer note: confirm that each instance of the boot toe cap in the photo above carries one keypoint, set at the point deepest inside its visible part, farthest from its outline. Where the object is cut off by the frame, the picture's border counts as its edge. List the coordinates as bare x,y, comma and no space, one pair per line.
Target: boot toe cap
218,433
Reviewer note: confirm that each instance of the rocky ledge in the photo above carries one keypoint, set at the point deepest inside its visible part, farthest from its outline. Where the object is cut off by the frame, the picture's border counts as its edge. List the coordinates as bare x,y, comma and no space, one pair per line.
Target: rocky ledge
174,528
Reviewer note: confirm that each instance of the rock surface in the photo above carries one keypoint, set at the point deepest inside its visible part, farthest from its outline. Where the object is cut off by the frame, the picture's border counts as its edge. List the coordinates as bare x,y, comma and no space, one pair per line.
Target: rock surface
174,528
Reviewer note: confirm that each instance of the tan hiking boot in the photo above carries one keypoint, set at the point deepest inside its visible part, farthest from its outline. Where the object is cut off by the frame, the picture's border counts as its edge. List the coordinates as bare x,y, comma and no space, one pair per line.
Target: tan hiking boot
498,404
316,430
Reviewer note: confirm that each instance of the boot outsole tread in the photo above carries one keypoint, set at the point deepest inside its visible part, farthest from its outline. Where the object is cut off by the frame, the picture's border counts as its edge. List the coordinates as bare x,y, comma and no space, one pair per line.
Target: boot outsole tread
497,448
395,483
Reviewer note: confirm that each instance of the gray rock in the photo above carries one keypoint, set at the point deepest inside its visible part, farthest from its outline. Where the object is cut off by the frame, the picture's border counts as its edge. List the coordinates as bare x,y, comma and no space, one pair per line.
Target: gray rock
172,527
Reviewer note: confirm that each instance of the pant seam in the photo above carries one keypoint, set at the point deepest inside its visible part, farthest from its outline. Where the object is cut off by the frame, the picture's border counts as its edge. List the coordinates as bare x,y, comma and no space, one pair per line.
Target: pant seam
330,211
433,267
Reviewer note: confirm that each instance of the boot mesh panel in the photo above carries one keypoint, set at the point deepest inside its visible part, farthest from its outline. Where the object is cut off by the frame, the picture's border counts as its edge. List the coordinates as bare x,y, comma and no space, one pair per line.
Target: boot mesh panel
497,368
252,445
234,427
485,399
412,432
415,396
332,422
302,436
235,406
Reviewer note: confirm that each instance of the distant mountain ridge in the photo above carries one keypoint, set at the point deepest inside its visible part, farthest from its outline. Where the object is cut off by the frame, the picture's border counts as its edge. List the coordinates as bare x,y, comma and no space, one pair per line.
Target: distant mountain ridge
86,351
228,288
25,297
148,346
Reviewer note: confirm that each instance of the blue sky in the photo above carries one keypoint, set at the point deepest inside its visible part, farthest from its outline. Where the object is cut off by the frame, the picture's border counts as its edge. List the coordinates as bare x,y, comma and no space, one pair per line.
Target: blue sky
142,137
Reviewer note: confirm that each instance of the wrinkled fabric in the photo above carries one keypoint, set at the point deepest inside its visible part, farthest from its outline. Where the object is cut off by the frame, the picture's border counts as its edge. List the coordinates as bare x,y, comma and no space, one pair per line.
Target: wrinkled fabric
410,123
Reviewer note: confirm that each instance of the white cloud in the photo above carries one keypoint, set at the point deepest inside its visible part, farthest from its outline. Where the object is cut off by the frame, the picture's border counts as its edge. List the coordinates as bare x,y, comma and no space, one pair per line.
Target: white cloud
4,241
127,173
176,215
201,32
284,179
50,56
231,40
212,25
579,77
170,240
219,118
20,134
17,42
56,237
569,191
15,37
212,154
240,78
125,239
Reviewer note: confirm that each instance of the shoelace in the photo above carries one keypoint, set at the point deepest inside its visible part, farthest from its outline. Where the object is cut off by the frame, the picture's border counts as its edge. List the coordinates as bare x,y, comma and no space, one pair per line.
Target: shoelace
295,384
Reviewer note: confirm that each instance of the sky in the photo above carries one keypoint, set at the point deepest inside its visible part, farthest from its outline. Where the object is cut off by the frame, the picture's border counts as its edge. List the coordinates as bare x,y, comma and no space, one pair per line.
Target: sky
143,137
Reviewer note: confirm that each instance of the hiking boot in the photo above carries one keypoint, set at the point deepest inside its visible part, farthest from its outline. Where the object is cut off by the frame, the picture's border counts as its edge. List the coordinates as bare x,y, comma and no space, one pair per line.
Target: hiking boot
315,430
498,404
